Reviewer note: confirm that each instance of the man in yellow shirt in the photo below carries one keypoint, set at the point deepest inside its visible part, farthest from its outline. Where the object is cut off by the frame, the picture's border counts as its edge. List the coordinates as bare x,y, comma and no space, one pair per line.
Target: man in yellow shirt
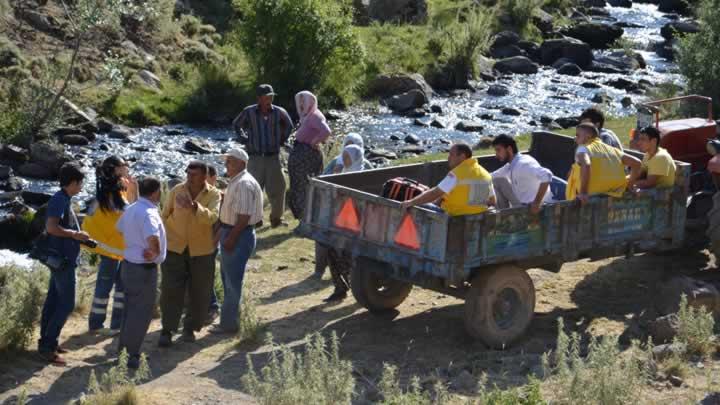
658,167
466,190
191,210
598,168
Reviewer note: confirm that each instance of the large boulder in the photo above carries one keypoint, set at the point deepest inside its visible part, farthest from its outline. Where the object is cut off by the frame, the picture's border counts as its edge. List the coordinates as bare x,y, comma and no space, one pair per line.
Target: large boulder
390,85
621,60
507,51
404,11
199,146
516,64
74,139
14,154
620,3
679,28
407,101
543,20
570,69
36,171
699,293
573,49
150,79
49,154
451,77
505,38
674,6
598,36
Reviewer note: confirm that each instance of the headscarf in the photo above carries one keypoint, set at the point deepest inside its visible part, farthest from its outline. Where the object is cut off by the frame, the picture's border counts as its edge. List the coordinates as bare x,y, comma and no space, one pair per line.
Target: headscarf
352,138
306,104
356,156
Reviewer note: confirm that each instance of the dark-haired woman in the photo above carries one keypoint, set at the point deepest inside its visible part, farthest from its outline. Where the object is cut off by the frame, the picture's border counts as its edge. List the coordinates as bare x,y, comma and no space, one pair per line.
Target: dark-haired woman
114,190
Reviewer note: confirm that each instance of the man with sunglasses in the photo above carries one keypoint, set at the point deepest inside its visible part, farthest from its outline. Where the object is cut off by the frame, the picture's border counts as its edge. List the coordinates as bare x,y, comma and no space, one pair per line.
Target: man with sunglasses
191,210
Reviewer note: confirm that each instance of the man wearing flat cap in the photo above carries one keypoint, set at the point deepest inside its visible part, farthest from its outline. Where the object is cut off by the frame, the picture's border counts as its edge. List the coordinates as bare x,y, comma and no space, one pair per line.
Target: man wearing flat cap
265,128
241,210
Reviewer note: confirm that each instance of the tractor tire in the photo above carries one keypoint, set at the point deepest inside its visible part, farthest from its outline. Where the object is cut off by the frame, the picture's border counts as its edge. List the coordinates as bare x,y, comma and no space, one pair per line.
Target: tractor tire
500,305
713,230
374,291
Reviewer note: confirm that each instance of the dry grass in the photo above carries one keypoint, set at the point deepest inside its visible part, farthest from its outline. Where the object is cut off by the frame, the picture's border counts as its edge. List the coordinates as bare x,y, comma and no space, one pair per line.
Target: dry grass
317,376
695,329
393,394
251,327
116,386
606,376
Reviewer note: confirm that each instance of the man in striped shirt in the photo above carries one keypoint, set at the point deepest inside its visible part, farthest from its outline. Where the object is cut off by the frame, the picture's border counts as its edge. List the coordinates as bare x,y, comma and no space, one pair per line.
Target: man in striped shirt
241,210
264,128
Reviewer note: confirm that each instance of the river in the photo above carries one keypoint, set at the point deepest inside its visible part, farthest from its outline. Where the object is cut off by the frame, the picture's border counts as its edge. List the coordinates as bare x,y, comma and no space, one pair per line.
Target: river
155,151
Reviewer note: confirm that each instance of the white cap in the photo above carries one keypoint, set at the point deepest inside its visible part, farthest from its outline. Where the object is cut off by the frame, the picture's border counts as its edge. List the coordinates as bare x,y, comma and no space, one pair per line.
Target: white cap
238,154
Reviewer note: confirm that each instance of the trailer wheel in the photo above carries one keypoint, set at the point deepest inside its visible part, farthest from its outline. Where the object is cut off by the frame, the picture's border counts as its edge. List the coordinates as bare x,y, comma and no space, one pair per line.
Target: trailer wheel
713,230
499,305
376,292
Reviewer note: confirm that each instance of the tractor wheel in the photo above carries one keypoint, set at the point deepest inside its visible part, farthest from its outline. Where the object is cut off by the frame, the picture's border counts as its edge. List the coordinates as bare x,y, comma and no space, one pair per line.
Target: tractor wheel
376,292
500,305
713,230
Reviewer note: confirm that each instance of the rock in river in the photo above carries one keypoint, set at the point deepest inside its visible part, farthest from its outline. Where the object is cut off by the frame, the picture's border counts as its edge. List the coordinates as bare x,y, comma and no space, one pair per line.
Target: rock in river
597,35
407,101
469,126
573,49
516,64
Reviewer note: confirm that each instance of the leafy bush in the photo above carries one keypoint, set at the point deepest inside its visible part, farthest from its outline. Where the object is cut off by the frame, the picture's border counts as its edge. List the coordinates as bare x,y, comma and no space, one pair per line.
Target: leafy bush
21,295
393,393
10,54
116,386
699,53
190,25
695,328
605,377
394,48
317,376
305,45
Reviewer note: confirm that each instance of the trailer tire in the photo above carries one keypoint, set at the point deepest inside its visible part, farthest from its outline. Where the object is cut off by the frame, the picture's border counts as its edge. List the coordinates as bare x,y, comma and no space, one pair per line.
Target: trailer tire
713,230
375,292
499,305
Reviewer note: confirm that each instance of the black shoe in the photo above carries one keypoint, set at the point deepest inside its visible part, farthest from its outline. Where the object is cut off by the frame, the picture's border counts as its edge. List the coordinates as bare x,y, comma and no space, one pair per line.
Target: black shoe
165,339
336,296
188,336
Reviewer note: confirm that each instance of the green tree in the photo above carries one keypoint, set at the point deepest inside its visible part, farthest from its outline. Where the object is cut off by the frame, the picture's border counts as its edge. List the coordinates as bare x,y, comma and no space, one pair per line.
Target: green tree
302,45
699,54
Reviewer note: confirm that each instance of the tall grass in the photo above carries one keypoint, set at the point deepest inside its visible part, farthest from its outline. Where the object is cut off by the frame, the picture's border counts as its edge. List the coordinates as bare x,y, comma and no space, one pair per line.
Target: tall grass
695,329
606,376
250,327
519,13
21,295
393,394
317,376
526,395
116,386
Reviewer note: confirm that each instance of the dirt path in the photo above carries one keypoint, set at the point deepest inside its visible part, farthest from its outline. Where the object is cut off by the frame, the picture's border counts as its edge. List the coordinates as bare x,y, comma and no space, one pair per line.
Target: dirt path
425,337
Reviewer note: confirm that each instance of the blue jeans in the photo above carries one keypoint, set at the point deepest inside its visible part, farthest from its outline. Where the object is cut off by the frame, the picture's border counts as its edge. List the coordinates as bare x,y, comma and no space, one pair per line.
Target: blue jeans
108,276
59,304
557,188
232,266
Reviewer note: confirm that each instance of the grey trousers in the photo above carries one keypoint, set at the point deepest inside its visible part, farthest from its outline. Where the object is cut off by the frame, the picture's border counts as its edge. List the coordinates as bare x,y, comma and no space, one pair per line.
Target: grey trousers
267,170
504,195
140,293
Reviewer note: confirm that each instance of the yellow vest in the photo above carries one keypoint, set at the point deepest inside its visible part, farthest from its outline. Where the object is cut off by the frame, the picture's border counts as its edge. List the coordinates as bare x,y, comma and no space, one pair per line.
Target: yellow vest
100,225
607,172
472,191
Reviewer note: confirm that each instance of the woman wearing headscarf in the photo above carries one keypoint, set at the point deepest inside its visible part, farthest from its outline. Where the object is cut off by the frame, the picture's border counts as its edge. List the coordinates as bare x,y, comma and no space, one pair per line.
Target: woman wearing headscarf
114,190
306,159
336,166
340,261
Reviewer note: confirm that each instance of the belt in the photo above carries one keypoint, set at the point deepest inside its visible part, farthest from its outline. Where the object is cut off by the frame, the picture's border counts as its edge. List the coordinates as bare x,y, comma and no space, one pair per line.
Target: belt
149,266
266,154
227,226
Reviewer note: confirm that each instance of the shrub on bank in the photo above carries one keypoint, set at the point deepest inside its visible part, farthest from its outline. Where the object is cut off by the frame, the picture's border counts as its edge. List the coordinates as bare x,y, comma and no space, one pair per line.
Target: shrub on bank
116,386
699,53
22,292
306,45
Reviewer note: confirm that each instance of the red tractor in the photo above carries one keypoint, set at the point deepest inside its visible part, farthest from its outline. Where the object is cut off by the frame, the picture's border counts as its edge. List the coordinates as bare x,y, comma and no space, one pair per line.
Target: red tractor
695,141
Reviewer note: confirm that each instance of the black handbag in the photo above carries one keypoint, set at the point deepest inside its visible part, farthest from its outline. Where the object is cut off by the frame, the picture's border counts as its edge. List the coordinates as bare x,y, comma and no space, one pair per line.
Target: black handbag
42,250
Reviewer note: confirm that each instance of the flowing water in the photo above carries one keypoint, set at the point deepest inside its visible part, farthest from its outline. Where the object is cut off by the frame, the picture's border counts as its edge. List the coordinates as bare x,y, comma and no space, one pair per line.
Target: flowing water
546,93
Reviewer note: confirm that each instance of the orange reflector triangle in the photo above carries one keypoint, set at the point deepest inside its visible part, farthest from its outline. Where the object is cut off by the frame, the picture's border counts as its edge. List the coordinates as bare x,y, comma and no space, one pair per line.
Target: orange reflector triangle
348,218
407,234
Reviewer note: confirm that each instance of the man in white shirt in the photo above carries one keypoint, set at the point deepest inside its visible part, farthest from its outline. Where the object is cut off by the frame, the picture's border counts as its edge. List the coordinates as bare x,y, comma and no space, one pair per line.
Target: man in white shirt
241,210
145,248
521,181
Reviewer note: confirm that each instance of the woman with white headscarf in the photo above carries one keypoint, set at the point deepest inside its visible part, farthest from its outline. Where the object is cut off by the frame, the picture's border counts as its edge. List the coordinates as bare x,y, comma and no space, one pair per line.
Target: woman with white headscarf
306,159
